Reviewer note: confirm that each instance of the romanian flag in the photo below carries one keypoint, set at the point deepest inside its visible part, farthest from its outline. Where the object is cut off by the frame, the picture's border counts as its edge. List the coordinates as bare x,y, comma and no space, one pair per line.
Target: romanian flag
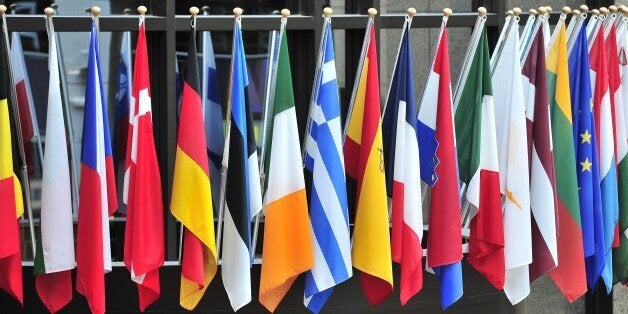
364,161
287,237
11,206
191,200
569,275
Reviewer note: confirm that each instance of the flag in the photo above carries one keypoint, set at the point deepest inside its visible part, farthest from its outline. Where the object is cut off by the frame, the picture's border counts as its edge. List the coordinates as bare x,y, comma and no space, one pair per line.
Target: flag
55,258
11,206
547,34
191,201
144,230
288,248
540,158
178,86
439,170
514,178
212,115
569,275
620,254
329,214
123,99
478,166
587,166
603,76
24,99
364,161
243,196
97,189
403,177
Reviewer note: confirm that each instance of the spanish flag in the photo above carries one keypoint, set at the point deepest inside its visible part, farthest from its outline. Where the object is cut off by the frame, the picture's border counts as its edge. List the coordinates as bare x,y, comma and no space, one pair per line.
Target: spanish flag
11,205
364,161
191,200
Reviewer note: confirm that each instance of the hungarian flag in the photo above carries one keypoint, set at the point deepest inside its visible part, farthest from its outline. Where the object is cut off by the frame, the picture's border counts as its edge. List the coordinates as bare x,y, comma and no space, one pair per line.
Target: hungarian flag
288,249
620,254
28,120
55,258
439,170
477,162
604,76
403,176
191,201
97,190
243,199
587,165
144,230
569,275
11,206
514,174
365,179
540,158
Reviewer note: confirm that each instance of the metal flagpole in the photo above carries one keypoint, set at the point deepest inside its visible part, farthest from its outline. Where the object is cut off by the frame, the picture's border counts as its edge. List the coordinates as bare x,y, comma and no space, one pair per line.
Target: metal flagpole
473,42
500,40
559,25
237,12
271,79
18,132
68,121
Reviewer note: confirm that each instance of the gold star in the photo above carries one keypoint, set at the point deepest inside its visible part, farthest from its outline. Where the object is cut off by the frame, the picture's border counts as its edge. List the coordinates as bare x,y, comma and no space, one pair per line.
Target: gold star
586,165
586,137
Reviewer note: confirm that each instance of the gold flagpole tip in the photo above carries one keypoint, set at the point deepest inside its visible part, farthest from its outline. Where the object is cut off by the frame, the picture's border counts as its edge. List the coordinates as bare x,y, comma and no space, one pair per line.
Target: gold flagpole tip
237,11
510,13
285,13
612,8
327,11
3,8
566,10
482,11
49,11
142,10
576,12
542,10
603,10
584,8
533,12
411,11
372,12
447,12
194,11
95,10
549,9
595,12
516,11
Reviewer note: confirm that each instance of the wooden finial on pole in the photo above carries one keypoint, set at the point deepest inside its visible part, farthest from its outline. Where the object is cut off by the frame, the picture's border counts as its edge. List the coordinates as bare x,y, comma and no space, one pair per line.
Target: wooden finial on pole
584,8
481,11
95,10
3,8
595,12
566,10
533,12
576,12
194,11
142,10
613,8
411,12
285,13
510,13
237,11
548,8
624,9
542,10
327,12
603,10
49,11
447,12
372,12
516,11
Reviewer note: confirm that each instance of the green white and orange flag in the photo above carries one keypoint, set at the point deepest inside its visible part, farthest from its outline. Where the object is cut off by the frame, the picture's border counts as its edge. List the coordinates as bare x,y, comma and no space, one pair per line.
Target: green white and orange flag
366,184
569,275
288,248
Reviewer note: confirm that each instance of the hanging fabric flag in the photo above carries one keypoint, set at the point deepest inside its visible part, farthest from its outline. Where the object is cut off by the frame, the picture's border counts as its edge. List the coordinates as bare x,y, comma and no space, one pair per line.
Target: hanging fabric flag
243,199
11,206
144,233
547,34
97,190
569,275
403,177
123,99
439,169
55,259
328,196
540,158
602,111
212,115
288,248
477,162
585,143
28,119
514,182
620,254
365,171
191,200
527,35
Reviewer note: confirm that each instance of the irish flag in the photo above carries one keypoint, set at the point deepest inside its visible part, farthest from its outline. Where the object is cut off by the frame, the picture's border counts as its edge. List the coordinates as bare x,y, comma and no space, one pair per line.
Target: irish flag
288,248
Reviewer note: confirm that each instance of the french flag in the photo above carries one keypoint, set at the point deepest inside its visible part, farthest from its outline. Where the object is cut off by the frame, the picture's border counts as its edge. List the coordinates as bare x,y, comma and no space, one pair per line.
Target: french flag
97,190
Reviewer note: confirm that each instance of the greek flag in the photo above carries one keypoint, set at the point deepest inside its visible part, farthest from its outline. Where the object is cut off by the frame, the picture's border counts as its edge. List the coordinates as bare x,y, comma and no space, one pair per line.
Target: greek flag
328,196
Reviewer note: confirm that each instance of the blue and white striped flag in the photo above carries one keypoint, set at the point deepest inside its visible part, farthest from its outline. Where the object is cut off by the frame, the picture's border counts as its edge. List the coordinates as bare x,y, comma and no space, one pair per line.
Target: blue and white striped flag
328,199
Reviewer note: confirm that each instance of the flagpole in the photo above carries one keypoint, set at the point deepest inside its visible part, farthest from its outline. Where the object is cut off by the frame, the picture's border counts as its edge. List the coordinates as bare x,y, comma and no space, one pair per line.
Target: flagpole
563,16
237,12
370,23
580,23
473,42
406,26
18,133
592,26
68,118
268,103
512,19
